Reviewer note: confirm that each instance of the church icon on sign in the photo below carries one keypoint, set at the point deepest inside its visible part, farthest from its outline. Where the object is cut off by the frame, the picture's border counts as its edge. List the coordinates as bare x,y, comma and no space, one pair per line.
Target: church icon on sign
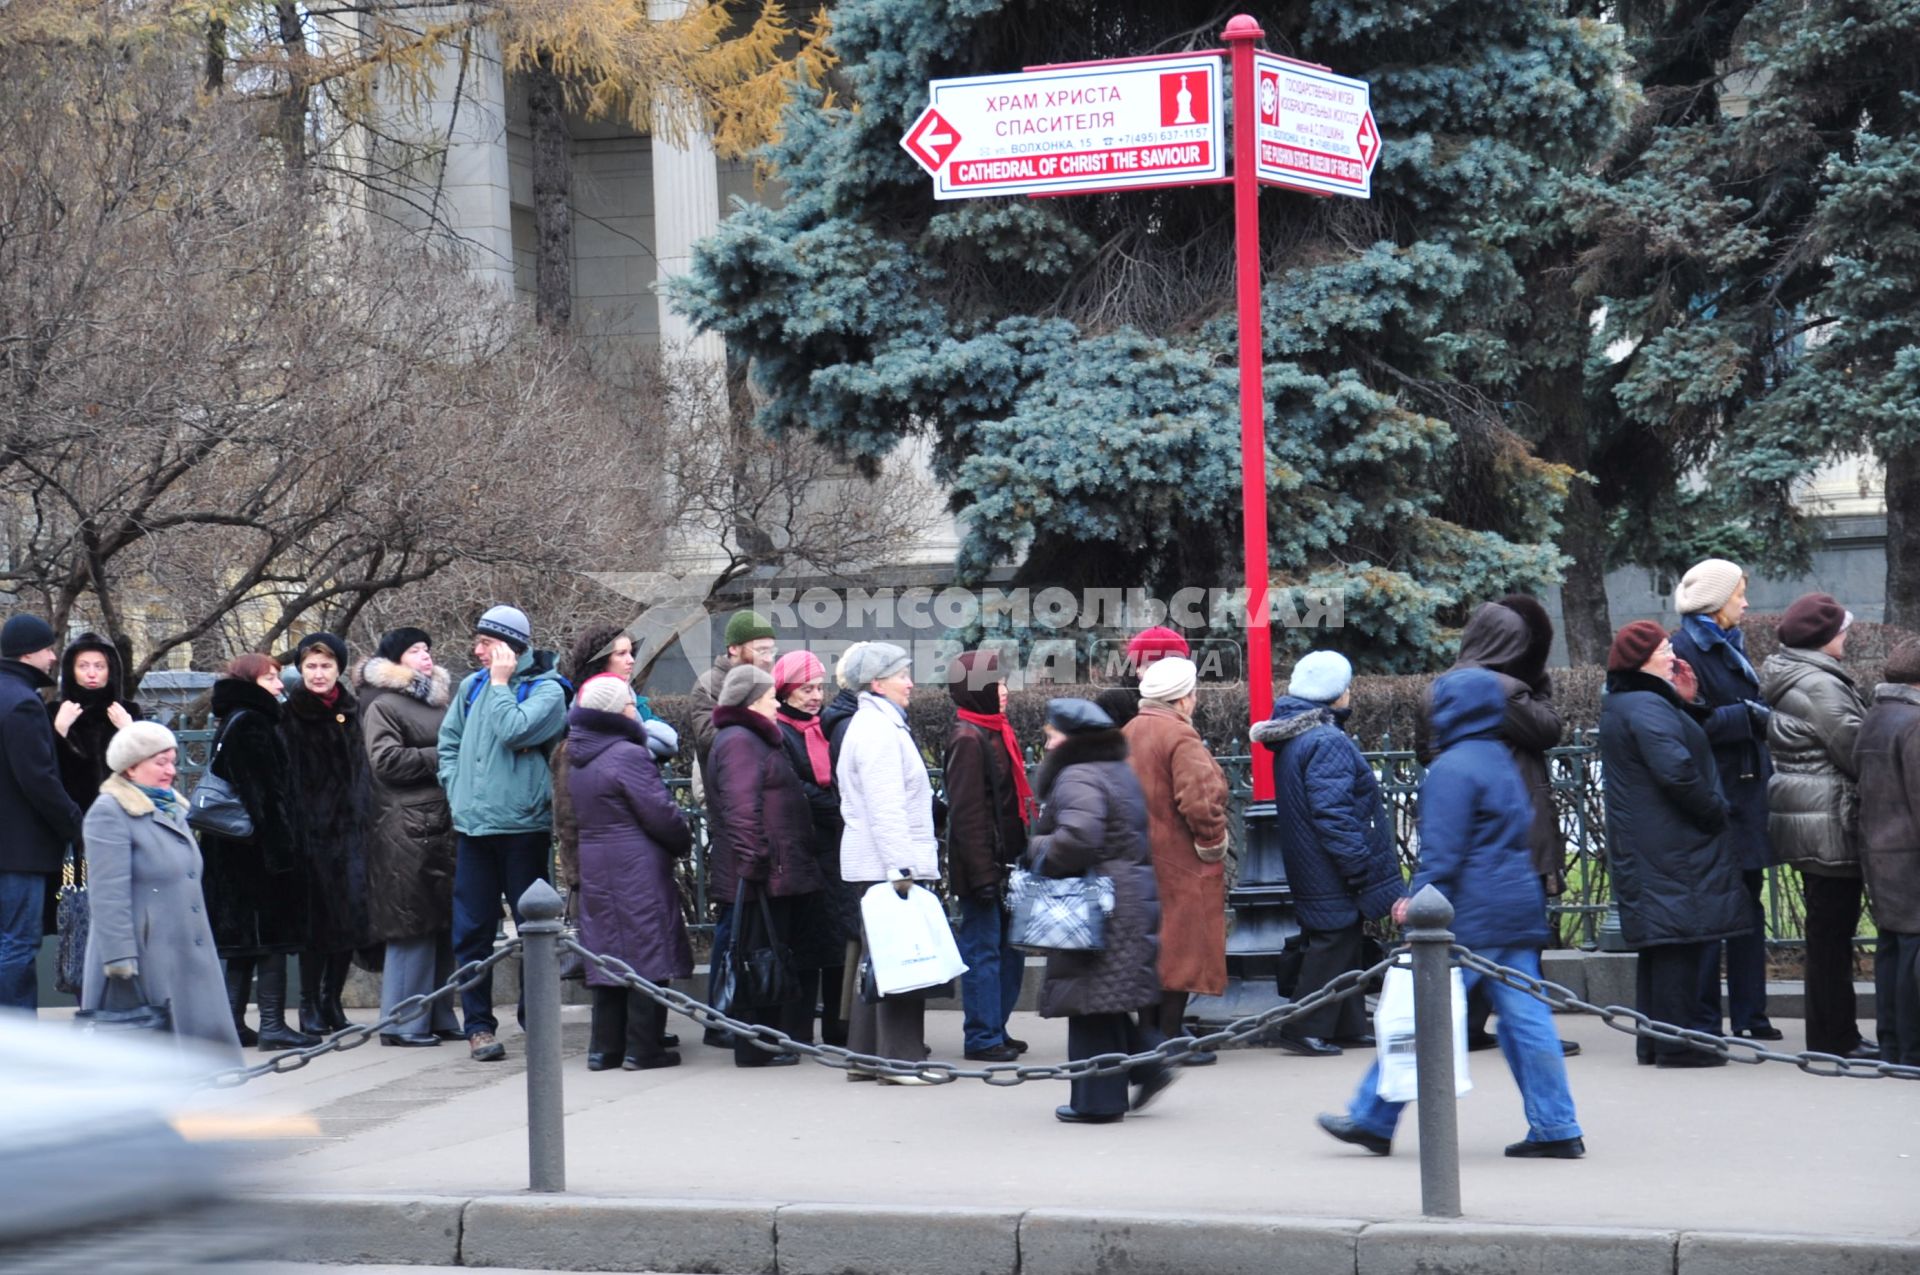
1186,97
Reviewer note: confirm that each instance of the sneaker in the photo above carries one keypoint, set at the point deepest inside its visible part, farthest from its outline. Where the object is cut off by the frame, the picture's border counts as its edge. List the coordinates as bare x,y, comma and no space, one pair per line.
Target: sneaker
1346,1130
482,1047
1017,1045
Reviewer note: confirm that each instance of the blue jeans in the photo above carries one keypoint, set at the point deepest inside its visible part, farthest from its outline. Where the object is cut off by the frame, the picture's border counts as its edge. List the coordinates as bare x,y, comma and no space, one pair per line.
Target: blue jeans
484,869
991,986
23,895
1531,1045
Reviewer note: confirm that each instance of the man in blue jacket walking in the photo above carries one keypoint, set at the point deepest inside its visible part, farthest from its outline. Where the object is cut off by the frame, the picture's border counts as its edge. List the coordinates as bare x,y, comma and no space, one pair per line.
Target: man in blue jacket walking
493,763
1336,839
1474,817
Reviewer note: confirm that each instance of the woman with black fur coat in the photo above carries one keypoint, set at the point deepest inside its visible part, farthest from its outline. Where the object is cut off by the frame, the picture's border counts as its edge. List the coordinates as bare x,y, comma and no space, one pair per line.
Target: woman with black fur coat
327,748
91,709
256,887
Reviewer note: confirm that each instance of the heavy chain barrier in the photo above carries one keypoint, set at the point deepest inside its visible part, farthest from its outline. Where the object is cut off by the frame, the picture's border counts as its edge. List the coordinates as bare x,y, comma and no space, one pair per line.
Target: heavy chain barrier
360,1033
1634,1023
1006,1075
1000,1075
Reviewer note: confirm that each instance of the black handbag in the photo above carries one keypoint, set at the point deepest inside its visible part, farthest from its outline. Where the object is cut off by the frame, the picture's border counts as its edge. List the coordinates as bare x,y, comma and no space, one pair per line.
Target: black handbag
763,973
214,806
72,918
124,1007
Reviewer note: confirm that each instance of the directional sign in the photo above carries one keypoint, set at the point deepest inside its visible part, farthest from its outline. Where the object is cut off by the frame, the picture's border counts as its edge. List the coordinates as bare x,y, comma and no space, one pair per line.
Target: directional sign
1101,126
1316,129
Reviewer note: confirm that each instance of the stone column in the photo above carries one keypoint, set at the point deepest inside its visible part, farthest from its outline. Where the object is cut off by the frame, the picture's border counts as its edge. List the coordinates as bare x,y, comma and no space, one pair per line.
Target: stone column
686,208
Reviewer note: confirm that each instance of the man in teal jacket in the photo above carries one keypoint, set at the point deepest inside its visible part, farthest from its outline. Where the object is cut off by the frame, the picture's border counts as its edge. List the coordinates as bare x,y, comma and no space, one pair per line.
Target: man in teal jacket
493,764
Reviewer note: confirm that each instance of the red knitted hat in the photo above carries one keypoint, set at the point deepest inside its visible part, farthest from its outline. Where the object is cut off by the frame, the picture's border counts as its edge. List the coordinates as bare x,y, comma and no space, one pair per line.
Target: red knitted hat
1156,643
1634,645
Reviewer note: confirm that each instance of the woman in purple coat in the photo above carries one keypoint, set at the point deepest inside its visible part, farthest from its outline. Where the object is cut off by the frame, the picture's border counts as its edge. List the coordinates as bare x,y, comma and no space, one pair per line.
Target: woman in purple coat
630,833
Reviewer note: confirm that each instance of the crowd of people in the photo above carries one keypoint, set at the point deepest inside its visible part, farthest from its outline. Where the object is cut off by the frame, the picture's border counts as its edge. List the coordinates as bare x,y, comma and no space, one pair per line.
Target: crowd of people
392,812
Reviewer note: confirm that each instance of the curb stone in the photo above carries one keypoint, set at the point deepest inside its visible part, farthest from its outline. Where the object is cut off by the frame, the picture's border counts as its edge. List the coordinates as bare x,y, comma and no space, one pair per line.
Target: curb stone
1066,1242
720,1237
857,1239
1472,1248
368,1229
575,1233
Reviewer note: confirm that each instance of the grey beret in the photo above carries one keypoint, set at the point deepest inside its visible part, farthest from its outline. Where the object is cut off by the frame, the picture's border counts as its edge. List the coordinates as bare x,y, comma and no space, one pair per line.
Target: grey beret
745,684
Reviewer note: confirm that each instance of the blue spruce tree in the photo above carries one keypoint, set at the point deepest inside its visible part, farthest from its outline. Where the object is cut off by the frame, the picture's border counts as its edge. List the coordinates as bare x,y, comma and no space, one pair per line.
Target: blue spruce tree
1073,359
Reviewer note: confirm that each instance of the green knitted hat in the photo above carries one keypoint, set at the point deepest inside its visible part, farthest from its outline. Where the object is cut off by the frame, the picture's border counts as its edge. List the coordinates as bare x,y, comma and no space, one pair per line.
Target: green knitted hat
745,627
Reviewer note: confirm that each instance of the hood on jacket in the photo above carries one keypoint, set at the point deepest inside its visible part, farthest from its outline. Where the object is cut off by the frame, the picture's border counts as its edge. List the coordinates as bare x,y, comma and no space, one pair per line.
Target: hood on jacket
70,688
1898,692
232,693
1293,717
765,728
1791,665
1532,667
1496,637
1468,703
591,732
1078,749
378,673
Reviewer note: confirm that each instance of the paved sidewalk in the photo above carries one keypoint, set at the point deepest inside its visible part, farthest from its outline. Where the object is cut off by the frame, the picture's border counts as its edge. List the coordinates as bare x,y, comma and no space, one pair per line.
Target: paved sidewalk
1738,1148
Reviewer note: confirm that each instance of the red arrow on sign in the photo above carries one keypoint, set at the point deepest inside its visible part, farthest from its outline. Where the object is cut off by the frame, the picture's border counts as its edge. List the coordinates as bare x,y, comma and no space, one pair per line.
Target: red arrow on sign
1368,140
931,140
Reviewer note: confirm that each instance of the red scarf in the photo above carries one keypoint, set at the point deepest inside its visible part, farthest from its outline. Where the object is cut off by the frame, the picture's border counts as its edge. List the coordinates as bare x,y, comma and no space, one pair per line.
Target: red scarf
332,698
819,751
998,722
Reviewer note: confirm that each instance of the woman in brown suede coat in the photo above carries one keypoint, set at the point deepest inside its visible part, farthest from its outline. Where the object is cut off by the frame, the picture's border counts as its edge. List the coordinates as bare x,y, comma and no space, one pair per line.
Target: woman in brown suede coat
1186,794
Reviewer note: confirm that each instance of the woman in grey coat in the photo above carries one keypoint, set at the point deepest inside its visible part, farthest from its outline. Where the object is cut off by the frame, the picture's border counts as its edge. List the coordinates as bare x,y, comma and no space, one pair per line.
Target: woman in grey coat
144,869
1813,805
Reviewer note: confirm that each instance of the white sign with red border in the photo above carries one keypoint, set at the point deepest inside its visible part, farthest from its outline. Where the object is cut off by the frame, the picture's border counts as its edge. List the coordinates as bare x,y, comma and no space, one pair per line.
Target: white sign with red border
1104,126
1316,129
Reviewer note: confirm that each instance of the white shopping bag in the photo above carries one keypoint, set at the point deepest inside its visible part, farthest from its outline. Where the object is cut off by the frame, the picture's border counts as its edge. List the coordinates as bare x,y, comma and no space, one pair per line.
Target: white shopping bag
908,940
1393,1029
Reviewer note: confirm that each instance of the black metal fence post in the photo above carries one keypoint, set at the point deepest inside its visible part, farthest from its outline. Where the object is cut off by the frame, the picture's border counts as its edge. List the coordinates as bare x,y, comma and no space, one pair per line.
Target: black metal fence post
540,931
1428,917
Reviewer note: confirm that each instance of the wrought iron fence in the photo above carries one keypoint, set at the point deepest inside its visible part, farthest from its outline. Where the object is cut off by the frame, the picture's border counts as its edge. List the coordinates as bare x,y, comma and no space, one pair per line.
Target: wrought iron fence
1573,770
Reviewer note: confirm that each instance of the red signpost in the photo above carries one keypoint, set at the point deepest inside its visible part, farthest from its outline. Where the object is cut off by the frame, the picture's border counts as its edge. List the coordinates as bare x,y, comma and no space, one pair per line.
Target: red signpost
1141,123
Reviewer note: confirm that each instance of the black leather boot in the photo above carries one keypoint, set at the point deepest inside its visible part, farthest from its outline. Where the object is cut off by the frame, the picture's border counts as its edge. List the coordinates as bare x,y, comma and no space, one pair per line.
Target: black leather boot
339,965
313,973
271,990
606,1034
239,989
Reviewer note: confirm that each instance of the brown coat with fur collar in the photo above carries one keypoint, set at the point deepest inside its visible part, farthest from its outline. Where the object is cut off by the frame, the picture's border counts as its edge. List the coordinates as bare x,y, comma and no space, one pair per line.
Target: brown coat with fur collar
409,846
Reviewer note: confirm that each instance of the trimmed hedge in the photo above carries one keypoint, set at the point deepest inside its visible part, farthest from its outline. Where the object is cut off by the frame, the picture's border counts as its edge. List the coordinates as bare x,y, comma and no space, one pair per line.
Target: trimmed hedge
1385,708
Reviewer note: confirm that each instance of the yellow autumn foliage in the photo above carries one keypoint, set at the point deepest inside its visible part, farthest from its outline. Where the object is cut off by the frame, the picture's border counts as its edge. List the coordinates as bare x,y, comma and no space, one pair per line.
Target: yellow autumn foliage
731,62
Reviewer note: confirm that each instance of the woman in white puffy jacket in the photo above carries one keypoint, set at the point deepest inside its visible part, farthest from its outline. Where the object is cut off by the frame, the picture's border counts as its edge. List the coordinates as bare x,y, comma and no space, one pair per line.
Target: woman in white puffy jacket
887,802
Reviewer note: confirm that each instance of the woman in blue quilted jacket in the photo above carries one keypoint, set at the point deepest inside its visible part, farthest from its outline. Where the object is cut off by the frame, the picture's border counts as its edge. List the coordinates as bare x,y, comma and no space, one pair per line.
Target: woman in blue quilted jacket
1475,816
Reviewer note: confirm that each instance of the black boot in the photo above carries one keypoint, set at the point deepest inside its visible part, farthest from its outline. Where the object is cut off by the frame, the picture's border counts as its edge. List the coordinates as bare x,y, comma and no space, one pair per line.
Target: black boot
239,987
271,989
339,965
606,1034
313,973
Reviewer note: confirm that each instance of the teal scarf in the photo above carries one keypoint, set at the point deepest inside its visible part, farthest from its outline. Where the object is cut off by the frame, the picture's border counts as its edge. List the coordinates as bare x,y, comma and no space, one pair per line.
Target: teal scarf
165,800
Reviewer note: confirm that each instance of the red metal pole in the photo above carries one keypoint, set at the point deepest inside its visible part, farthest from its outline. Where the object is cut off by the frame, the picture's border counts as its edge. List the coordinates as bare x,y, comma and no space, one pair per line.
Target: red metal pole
1241,34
